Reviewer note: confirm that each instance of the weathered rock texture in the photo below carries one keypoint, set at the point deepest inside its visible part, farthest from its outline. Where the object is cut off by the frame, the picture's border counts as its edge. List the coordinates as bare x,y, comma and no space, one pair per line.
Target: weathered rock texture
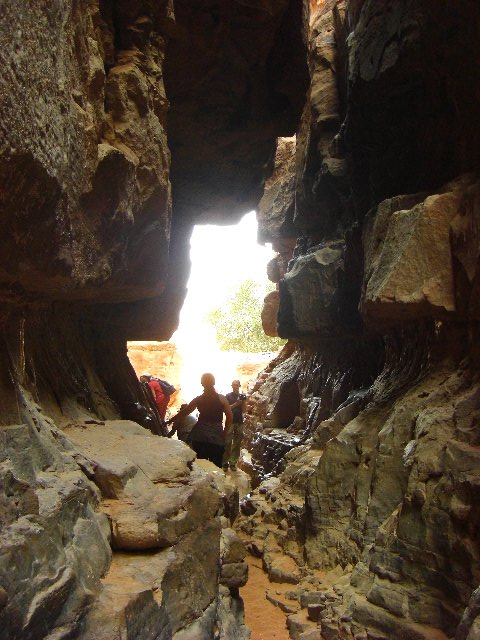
364,430
122,125
107,108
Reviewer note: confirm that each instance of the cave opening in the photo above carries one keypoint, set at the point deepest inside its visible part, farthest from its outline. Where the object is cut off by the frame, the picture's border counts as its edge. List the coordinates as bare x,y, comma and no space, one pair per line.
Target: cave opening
220,326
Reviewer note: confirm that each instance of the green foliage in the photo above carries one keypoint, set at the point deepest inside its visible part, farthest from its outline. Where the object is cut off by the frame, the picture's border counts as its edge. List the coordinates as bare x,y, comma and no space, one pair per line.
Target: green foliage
238,324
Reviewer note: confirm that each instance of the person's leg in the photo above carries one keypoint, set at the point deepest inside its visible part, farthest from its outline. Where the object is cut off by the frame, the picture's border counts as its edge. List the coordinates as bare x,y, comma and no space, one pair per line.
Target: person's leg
236,444
202,449
228,448
215,454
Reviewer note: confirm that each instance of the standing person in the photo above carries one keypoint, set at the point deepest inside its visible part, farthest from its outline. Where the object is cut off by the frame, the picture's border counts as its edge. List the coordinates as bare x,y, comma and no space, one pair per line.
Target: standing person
233,437
161,399
207,436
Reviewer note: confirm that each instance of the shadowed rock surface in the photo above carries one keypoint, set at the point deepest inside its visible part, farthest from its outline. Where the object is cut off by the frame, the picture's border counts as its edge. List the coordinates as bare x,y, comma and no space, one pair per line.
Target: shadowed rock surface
106,109
373,480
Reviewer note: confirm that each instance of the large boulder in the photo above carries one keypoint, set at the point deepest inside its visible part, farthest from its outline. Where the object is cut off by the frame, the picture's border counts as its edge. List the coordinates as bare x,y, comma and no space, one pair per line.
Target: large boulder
151,496
409,258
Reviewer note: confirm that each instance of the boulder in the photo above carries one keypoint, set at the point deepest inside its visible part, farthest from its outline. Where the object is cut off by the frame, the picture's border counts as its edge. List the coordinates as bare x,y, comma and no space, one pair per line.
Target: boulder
151,496
50,532
408,261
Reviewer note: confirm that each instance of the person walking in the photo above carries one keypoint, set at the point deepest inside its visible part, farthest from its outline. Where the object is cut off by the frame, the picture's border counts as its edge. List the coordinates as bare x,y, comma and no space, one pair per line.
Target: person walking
207,436
234,435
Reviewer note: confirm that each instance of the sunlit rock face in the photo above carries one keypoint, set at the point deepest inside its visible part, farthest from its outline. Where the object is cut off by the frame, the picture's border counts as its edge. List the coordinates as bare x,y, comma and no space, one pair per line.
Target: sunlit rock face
379,484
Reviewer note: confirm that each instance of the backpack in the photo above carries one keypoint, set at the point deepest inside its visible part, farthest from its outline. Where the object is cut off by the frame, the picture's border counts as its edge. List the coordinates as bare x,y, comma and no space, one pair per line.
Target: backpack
167,388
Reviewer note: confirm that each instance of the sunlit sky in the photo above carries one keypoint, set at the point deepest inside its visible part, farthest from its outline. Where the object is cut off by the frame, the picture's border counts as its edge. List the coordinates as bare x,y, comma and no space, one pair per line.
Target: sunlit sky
222,258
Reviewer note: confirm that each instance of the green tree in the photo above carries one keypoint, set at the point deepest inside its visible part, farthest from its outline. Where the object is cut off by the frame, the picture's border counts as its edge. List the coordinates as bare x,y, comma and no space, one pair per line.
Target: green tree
238,324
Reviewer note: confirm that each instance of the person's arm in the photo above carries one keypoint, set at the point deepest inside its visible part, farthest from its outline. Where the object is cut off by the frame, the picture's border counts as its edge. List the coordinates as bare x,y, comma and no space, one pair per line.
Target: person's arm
244,404
228,413
241,402
184,412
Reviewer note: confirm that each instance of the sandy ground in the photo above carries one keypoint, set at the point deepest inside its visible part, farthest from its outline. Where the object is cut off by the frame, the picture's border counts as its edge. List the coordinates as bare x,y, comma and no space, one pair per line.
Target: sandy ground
266,621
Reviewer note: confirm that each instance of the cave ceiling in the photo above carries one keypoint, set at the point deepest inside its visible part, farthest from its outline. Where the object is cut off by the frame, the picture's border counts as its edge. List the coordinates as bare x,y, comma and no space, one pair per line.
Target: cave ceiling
236,79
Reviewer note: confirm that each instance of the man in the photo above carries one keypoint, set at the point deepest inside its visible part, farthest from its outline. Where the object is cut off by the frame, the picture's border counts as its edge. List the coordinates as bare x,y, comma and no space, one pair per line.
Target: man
233,437
207,436
161,400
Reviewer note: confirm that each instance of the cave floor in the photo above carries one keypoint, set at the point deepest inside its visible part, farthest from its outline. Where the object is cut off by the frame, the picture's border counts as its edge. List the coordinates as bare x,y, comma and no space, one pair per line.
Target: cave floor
266,621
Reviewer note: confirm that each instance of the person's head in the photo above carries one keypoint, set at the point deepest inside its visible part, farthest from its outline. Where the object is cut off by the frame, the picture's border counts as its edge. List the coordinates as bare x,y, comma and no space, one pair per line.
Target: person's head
207,380
236,385
145,377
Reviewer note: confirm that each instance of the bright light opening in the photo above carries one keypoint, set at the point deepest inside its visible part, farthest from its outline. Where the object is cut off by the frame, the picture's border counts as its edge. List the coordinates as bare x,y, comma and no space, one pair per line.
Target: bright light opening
222,257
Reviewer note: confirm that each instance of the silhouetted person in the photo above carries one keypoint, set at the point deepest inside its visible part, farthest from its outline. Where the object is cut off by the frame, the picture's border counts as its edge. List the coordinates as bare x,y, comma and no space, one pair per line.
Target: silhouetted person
234,435
207,436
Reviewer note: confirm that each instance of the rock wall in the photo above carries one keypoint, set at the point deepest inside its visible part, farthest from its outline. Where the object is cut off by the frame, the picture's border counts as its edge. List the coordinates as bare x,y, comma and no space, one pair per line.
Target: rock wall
122,125
364,431
107,109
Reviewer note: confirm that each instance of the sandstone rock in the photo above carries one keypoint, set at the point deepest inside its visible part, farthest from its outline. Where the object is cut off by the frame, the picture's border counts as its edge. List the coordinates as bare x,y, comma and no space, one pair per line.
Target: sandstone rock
133,450
286,605
88,141
159,593
468,627
299,625
230,615
311,598
465,248
152,497
227,487
402,158
312,634
269,313
408,271
86,208
322,180
234,571
282,568
56,541
232,548
277,206
234,574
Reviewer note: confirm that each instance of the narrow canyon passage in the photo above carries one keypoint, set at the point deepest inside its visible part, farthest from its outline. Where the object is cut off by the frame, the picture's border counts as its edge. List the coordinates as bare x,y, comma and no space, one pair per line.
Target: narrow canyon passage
348,131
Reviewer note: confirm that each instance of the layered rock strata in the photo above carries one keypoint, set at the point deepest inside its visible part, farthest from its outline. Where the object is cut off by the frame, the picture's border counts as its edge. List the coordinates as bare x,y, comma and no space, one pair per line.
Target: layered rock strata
95,100
378,490
370,413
